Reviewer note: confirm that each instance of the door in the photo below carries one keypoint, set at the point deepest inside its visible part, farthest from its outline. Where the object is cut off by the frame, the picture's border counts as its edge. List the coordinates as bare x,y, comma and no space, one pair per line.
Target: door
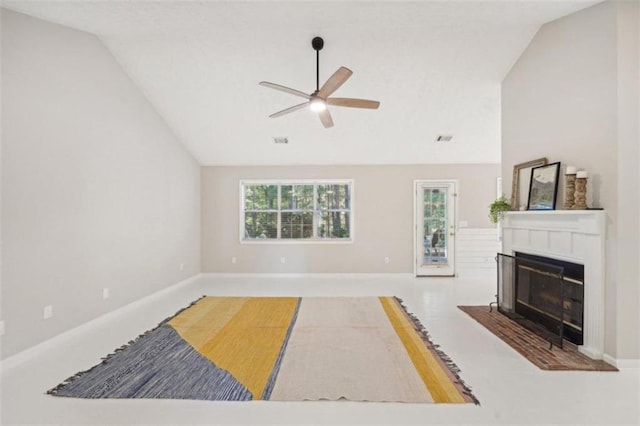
435,218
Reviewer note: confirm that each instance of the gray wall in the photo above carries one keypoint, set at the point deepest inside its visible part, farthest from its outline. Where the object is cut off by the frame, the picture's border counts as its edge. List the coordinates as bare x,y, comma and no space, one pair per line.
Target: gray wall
573,97
97,191
383,206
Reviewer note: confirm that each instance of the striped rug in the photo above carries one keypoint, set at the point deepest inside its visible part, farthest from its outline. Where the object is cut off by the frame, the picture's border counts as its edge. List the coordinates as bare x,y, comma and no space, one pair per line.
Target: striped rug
279,349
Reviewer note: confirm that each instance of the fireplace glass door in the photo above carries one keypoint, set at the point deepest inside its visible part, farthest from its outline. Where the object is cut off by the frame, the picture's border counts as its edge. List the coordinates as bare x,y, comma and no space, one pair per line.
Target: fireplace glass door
544,294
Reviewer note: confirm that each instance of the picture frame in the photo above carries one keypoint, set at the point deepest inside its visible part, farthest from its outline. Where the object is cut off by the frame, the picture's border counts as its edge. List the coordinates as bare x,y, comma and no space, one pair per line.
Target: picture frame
520,182
543,187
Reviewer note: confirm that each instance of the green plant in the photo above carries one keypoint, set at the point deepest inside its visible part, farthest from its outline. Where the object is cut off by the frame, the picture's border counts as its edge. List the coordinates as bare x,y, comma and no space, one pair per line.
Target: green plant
497,208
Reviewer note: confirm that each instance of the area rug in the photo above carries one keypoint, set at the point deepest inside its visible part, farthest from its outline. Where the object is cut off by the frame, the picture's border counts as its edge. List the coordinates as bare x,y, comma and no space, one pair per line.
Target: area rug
279,349
533,347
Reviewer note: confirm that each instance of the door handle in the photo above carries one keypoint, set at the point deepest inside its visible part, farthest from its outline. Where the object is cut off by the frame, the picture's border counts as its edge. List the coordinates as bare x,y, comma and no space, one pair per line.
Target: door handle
452,233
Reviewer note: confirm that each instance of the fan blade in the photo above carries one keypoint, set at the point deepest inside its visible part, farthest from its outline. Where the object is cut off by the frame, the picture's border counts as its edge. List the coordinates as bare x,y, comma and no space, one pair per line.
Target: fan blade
289,110
353,103
326,119
284,89
335,81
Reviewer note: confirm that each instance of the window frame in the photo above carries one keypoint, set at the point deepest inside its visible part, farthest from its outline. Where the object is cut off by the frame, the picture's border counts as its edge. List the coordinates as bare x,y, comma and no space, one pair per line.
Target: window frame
284,182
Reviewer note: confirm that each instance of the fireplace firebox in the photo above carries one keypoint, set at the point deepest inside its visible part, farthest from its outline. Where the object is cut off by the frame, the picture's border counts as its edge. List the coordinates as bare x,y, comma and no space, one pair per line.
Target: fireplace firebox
545,295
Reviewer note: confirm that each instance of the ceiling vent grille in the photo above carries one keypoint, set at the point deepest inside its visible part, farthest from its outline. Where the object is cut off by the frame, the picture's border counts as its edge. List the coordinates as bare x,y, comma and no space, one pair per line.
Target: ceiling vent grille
281,139
444,138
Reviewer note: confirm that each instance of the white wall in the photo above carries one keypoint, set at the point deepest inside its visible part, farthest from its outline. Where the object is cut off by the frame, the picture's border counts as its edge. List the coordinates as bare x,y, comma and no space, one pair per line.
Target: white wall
97,191
383,208
628,220
569,98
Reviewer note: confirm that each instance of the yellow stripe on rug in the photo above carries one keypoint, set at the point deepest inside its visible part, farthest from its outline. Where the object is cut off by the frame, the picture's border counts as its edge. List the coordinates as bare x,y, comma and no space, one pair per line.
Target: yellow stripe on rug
434,377
202,322
246,342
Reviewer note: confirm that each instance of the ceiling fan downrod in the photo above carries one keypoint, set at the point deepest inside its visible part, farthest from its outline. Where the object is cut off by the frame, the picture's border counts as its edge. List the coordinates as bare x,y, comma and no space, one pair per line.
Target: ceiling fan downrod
317,43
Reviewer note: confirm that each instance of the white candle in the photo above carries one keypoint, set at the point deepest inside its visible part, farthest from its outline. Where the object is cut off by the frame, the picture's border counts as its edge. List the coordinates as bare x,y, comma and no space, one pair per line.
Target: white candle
570,170
582,174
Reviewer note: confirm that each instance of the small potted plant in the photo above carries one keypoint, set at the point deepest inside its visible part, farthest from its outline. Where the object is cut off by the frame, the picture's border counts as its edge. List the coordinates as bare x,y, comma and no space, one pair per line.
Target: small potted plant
497,208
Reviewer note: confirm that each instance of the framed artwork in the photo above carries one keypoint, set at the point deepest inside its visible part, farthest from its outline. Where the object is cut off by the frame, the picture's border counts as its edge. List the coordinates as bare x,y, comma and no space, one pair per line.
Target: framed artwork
543,187
520,182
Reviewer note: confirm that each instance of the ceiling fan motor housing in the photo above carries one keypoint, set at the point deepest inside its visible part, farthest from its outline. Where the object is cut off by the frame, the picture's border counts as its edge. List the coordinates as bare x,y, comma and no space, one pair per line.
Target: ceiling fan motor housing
317,43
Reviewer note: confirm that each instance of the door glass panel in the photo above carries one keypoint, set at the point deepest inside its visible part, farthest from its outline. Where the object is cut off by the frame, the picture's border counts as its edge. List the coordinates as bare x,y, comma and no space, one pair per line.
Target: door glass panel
435,225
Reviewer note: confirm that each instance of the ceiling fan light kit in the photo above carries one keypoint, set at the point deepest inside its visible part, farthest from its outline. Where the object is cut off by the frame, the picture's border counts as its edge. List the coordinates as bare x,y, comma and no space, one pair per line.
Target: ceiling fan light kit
316,104
319,99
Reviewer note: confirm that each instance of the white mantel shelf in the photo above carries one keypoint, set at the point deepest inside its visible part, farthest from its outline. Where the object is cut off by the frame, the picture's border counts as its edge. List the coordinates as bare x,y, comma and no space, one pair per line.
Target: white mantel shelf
578,212
576,236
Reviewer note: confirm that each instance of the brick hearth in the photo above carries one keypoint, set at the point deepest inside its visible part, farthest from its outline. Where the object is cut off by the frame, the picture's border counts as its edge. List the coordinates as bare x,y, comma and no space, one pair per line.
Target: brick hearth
533,347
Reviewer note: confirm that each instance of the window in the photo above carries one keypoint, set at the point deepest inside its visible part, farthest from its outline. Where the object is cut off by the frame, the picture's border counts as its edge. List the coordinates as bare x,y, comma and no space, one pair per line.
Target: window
296,211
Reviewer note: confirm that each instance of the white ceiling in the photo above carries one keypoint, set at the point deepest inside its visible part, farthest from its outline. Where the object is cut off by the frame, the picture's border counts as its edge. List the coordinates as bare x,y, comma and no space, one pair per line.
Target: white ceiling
435,66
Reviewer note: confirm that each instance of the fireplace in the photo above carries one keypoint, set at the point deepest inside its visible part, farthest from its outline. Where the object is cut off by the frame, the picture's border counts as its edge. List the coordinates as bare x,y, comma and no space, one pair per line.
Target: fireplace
573,236
544,294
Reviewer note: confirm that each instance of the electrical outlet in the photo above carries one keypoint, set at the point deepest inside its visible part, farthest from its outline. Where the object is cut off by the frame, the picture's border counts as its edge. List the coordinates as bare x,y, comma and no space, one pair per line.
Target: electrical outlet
387,260
182,266
234,260
283,259
47,312
1,328
105,293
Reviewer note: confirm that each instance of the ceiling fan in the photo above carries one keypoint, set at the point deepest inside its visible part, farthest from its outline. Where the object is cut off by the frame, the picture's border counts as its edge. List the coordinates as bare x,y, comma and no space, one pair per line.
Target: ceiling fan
319,99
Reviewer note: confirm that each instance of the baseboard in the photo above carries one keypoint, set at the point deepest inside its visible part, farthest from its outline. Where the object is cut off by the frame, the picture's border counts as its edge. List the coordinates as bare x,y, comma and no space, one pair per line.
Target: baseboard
40,348
354,275
621,364
588,351
482,274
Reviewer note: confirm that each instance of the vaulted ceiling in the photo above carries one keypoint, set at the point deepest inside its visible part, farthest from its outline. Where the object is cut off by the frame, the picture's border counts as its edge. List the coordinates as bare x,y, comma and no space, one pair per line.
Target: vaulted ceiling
435,66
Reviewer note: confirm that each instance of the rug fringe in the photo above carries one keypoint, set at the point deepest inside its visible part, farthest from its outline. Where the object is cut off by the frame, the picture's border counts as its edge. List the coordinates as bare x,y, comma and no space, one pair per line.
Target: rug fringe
107,358
424,334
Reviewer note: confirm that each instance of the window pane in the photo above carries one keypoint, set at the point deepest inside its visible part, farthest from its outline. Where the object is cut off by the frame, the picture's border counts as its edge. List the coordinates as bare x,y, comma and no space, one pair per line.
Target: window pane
297,197
333,225
261,197
333,196
289,210
260,225
296,225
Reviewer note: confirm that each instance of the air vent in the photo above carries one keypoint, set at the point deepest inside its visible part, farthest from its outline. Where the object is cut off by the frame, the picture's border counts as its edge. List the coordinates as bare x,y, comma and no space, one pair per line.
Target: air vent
444,138
281,139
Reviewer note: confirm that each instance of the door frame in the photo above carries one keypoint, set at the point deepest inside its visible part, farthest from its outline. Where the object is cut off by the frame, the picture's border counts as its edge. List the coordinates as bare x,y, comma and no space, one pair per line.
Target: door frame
417,183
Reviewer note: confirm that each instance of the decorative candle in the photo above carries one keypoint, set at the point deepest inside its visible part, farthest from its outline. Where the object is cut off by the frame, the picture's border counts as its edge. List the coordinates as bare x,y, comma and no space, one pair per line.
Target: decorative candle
582,174
570,170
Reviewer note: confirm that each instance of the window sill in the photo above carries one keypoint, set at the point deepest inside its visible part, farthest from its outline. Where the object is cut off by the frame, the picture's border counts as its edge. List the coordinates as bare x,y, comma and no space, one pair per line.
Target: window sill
294,241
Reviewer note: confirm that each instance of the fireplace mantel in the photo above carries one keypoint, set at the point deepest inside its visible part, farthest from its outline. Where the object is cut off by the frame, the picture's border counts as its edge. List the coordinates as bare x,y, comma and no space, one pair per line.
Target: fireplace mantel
573,235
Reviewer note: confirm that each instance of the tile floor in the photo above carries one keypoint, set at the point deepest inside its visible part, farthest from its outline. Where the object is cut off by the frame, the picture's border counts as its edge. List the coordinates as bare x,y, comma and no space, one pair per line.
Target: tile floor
510,389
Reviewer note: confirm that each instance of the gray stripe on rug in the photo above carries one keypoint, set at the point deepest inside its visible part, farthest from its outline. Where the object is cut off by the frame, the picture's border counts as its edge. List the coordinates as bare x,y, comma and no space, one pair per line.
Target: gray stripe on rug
266,394
158,365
